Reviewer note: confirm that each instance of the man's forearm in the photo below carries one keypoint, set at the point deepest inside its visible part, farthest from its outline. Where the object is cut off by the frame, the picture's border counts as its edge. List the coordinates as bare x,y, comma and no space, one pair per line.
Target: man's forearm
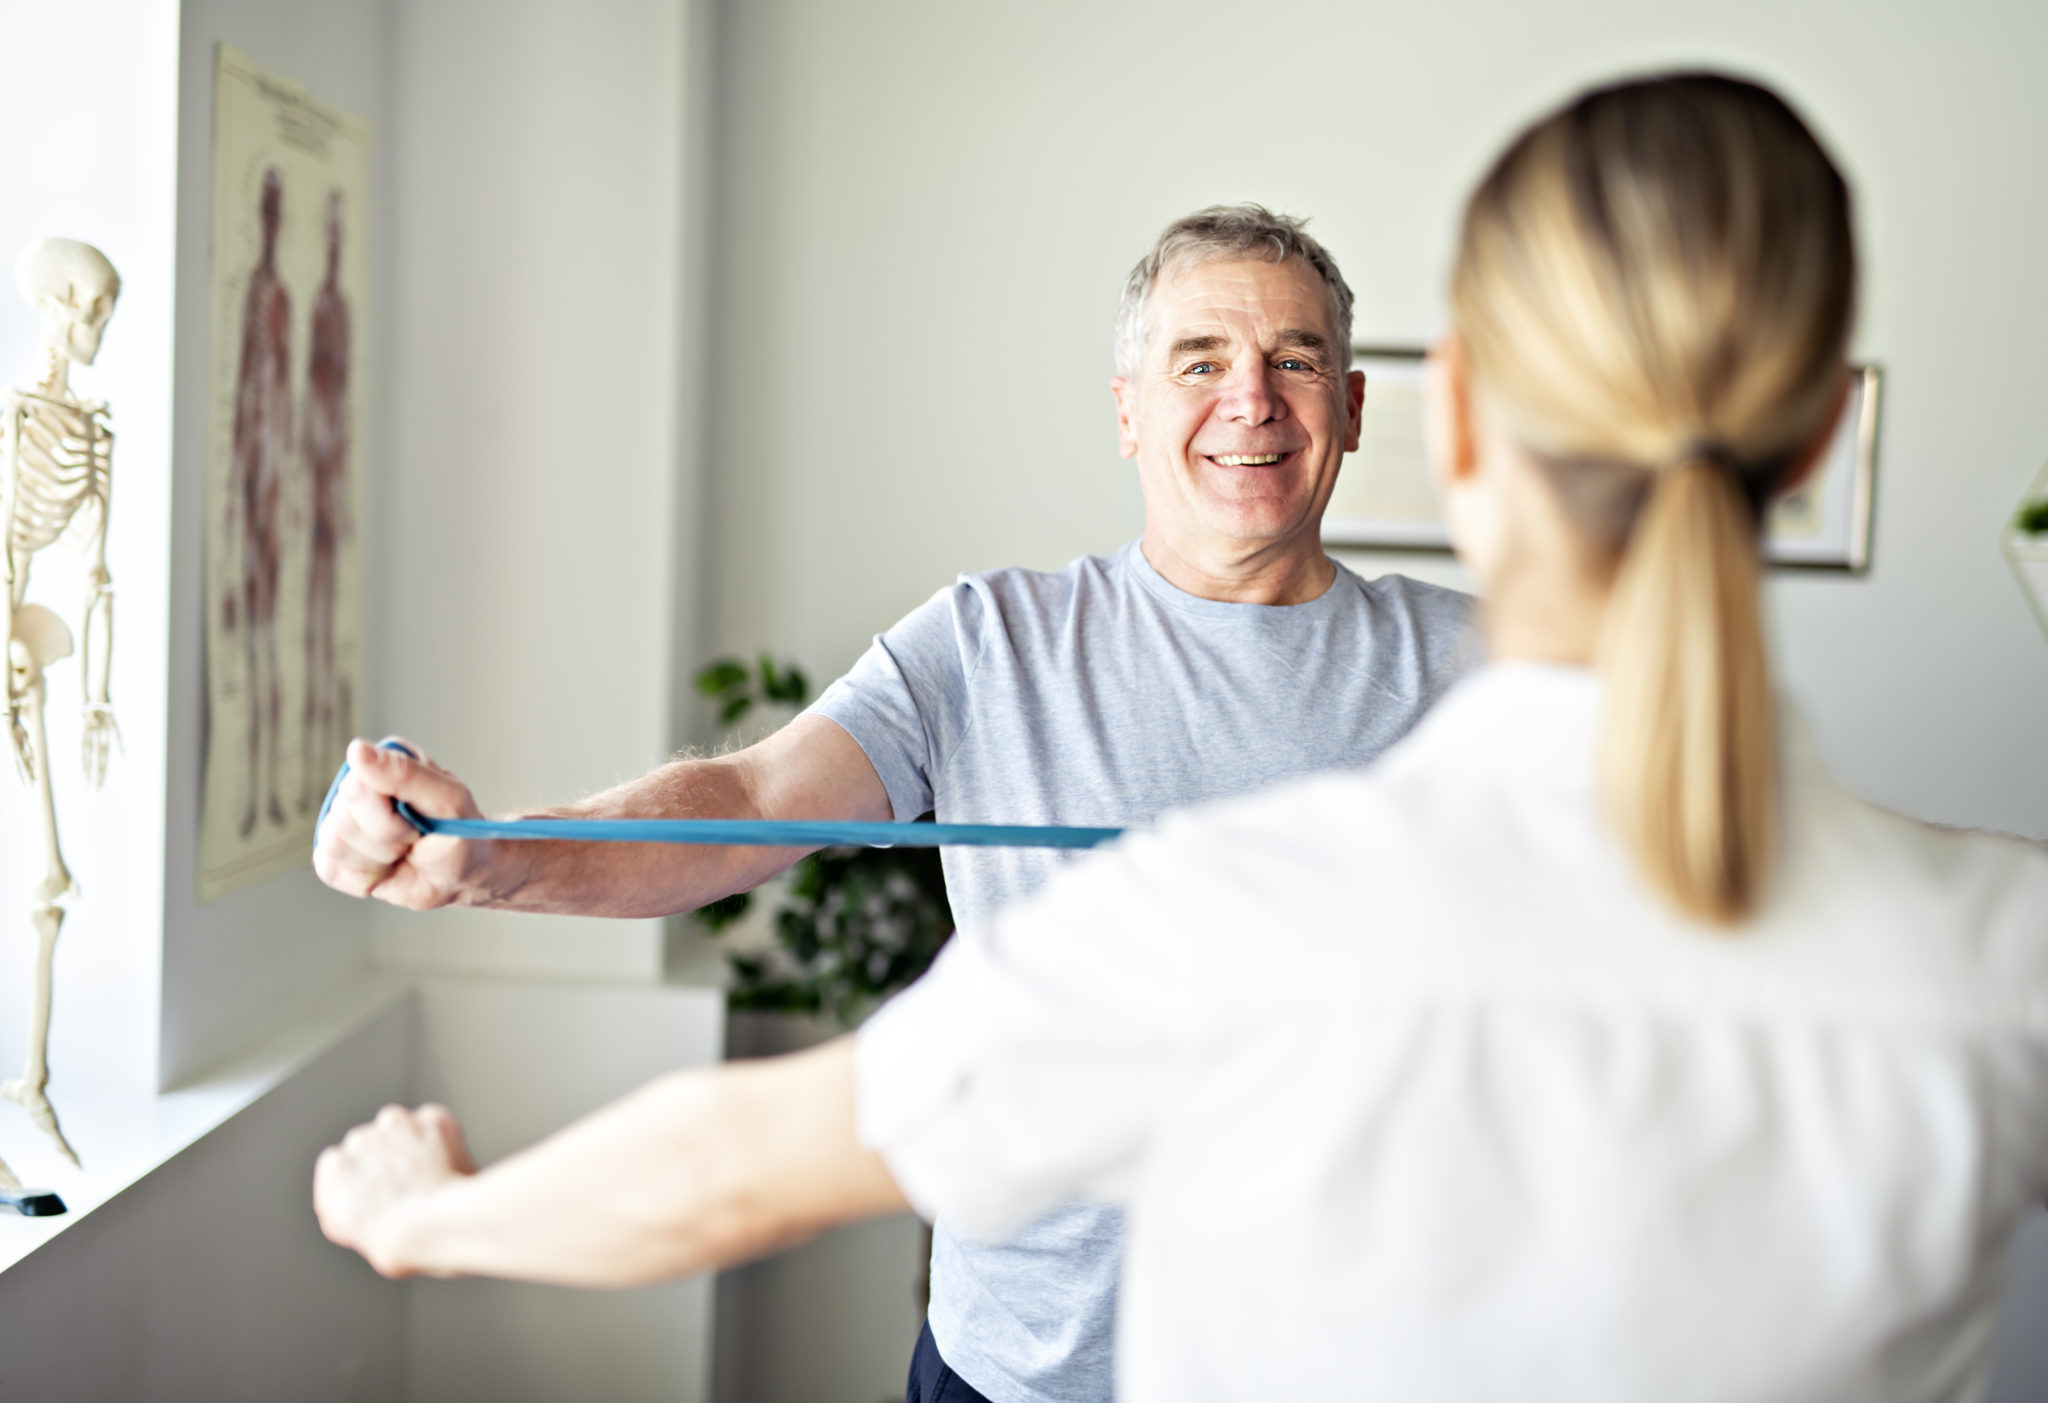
694,1171
631,879
809,769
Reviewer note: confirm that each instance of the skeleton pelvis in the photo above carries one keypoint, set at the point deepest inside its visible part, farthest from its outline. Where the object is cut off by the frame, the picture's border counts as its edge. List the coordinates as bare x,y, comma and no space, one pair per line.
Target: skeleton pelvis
40,638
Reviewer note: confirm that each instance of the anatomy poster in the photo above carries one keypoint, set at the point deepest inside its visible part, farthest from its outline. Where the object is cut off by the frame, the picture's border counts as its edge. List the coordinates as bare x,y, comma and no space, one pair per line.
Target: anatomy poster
285,435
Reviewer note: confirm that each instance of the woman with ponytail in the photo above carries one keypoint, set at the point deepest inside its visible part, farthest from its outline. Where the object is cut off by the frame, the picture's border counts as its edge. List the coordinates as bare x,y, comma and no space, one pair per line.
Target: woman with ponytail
1592,1047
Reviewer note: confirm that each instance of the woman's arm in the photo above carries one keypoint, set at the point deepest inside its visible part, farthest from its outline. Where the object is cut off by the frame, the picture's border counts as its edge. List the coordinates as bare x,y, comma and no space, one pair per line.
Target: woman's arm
693,1171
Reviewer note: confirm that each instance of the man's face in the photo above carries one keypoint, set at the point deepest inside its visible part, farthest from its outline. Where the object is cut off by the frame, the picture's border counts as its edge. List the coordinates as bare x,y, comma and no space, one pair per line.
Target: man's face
1240,412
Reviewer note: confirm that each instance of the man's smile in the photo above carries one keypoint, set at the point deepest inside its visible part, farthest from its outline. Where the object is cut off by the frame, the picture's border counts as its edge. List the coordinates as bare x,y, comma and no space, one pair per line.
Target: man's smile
1271,458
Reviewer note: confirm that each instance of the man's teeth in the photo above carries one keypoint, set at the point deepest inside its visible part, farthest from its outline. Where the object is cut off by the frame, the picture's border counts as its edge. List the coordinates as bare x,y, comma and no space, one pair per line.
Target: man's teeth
1248,460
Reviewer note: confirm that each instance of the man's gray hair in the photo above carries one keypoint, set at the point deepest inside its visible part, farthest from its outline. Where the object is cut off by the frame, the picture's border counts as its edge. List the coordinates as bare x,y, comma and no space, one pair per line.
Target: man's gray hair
1222,234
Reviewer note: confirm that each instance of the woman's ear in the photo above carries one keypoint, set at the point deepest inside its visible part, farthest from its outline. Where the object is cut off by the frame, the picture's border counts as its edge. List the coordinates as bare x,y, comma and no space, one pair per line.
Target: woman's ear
1809,458
1447,429
1469,498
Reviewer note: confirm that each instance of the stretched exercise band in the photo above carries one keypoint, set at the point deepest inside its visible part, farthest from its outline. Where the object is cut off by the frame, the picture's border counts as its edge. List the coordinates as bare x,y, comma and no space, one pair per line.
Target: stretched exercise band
769,833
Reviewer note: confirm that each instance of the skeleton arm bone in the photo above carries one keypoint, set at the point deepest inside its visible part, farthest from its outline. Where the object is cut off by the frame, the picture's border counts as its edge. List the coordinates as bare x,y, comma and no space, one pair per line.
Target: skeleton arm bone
695,1170
96,647
811,768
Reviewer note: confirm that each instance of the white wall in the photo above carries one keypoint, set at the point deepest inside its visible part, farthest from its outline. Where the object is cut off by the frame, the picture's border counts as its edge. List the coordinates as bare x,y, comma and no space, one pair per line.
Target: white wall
531,390
526,522
231,968
102,173
929,208
210,1282
209,1279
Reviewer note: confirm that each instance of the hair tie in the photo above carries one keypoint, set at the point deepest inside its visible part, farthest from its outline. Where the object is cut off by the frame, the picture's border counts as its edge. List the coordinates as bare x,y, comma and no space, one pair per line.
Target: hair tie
1713,452
1754,479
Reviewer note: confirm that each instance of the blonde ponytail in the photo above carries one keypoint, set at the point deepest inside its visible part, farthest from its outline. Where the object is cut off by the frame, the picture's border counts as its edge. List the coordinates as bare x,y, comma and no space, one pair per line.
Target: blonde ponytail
1654,289
1687,744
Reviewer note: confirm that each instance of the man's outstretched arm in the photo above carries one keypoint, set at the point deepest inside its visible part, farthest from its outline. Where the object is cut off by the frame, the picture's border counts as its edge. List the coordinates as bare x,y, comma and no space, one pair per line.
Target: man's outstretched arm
694,1171
810,768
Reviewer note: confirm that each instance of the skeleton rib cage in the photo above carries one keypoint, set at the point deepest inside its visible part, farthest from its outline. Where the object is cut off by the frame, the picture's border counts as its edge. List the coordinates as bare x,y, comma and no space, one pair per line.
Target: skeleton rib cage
66,456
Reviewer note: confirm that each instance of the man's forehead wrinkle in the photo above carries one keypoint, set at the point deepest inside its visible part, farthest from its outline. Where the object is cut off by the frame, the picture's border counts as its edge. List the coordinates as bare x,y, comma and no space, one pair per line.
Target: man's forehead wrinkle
1197,343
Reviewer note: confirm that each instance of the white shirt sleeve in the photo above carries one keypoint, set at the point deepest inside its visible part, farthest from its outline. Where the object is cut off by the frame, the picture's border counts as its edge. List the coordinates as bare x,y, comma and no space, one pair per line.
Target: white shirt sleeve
1032,1065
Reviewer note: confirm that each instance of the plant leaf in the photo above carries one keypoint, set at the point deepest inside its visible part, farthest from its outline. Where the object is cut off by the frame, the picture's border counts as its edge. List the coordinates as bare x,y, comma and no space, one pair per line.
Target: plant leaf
720,676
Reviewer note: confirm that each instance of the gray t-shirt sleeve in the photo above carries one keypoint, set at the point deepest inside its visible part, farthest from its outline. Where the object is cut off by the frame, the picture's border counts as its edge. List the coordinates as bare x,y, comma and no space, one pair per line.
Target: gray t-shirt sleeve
905,703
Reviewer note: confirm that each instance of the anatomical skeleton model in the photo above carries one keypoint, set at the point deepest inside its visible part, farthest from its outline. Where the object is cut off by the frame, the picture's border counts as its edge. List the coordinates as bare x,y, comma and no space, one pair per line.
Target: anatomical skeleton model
56,461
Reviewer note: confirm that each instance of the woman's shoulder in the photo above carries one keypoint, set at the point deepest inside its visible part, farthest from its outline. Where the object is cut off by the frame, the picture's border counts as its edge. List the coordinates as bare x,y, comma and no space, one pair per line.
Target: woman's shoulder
1952,907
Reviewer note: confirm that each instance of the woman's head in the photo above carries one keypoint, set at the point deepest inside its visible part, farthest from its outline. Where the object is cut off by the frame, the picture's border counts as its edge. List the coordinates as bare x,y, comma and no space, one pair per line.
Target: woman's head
1652,297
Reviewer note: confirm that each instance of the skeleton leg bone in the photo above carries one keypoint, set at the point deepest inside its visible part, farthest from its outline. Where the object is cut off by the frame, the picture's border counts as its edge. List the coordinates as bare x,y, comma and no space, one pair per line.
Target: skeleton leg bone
28,1089
40,639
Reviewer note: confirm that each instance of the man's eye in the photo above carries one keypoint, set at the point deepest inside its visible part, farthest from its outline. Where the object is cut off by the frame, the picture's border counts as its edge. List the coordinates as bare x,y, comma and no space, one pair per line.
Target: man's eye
1295,363
1200,368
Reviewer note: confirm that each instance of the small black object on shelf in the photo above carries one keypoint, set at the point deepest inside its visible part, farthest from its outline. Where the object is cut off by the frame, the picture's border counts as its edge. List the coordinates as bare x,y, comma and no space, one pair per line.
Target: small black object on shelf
32,1203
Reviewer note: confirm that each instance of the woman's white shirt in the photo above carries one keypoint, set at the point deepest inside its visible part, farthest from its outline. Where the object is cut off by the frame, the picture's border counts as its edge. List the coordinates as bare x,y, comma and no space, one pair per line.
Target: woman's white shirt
1414,1091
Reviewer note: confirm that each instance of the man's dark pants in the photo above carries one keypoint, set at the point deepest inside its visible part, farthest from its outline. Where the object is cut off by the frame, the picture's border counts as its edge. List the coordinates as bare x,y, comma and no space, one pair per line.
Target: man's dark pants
931,1381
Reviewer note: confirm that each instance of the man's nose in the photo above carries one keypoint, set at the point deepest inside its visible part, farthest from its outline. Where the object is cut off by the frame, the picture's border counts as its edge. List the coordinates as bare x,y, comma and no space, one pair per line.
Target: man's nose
1252,396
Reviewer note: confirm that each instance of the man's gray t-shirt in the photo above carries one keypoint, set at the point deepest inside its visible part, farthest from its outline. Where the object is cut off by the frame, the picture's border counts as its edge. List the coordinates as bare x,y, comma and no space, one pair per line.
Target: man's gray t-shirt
1101,695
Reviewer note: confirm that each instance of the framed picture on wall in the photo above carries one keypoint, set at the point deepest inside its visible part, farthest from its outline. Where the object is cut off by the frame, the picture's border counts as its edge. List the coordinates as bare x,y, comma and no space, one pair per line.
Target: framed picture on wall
1384,500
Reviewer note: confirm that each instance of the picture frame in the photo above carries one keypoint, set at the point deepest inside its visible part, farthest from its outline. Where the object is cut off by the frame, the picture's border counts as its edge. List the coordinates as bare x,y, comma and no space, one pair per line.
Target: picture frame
1384,499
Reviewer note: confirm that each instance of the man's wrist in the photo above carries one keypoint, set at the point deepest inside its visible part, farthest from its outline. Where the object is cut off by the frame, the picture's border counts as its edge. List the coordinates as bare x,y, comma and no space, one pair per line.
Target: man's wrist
494,873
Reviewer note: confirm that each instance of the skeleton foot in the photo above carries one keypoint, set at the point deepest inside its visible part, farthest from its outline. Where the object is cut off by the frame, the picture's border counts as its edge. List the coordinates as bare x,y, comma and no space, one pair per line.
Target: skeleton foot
248,823
277,817
32,1100
8,1180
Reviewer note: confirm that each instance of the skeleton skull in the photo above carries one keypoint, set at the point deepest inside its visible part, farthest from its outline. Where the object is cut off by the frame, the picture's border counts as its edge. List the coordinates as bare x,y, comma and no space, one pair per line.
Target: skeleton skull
74,287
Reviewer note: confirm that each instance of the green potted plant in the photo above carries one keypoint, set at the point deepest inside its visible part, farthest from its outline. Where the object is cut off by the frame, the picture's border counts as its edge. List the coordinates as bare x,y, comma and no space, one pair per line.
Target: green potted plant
851,925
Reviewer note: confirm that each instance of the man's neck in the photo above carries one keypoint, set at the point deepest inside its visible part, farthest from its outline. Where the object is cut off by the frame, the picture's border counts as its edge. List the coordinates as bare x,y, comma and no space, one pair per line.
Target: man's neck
1294,573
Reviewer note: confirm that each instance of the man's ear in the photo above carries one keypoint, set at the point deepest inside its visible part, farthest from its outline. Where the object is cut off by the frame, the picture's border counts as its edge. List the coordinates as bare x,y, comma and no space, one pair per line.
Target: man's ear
1448,434
1354,408
1126,416
1810,457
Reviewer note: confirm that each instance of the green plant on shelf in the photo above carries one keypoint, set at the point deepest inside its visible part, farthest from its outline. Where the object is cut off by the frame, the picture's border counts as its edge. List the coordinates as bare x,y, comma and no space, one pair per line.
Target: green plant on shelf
854,925
2033,518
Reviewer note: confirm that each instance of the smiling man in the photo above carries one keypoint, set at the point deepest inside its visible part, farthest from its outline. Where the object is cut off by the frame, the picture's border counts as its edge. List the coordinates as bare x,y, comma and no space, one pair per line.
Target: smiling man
1220,653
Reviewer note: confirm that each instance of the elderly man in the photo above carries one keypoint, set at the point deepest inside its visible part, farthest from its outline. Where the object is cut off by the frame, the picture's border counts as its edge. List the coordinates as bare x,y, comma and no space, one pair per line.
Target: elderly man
1221,652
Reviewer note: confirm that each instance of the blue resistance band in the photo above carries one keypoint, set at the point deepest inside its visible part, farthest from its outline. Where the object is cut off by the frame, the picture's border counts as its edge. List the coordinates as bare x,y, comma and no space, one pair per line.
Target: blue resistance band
769,833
